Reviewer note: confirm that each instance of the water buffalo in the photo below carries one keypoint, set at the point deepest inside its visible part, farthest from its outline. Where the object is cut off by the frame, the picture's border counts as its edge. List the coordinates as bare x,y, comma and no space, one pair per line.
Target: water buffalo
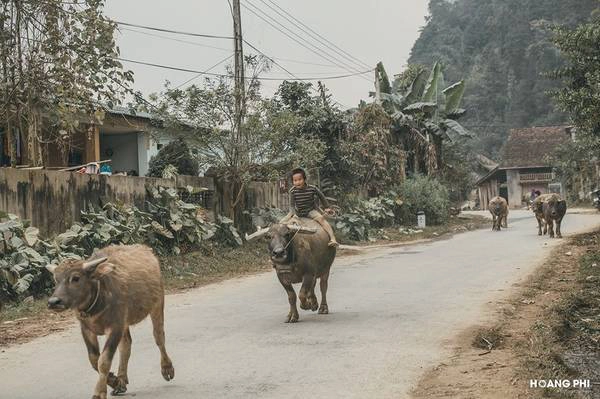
538,210
554,209
499,209
301,255
116,288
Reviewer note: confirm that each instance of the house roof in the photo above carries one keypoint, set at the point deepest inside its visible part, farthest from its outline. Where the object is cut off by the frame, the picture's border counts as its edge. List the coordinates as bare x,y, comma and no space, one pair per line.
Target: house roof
118,110
486,163
529,147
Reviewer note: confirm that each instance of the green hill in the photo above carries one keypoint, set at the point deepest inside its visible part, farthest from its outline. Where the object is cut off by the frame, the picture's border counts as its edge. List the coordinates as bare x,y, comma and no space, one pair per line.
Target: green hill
503,49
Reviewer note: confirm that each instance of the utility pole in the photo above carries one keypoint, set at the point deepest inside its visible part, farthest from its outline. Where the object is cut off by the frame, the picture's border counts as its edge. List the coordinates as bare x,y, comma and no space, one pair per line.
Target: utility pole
238,70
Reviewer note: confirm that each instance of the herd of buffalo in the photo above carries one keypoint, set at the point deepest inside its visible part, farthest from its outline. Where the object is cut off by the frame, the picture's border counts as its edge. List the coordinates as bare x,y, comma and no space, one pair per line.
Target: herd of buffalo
121,285
549,210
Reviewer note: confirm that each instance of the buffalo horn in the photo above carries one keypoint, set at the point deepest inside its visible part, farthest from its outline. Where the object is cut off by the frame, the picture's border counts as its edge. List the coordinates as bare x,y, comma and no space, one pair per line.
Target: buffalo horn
94,263
259,233
301,229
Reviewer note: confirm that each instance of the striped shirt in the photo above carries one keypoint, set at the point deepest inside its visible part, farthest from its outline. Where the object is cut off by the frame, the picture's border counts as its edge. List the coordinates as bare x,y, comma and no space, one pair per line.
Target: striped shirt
305,199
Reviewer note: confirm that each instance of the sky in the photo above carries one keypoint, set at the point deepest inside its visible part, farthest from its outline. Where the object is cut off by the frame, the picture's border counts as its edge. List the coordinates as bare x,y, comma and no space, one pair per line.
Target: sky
370,31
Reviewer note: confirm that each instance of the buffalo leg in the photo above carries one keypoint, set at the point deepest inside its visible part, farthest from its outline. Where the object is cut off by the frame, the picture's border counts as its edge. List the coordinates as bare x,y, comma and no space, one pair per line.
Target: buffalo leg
539,226
91,343
292,316
105,361
306,299
158,329
312,298
505,225
493,222
119,384
324,309
558,233
550,225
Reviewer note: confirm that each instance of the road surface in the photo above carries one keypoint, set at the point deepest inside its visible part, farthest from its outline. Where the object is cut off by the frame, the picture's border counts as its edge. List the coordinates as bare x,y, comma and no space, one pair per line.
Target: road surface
393,311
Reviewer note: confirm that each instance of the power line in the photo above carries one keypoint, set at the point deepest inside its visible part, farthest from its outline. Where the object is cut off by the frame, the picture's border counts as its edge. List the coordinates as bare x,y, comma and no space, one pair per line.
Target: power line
173,31
319,35
204,72
271,59
319,52
302,41
173,68
175,39
225,49
290,18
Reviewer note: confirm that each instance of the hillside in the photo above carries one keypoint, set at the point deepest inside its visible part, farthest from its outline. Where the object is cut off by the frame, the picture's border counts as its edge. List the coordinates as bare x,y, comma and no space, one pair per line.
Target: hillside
503,49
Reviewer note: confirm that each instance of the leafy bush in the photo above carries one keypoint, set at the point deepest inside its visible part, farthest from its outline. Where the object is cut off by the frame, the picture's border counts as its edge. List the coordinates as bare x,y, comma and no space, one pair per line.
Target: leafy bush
423,193
174,223
226,233
170,226
353,226
22,258
262,217
177,155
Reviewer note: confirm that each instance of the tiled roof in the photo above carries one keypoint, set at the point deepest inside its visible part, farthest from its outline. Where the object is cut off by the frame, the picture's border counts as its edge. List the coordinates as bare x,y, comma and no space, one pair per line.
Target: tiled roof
530,147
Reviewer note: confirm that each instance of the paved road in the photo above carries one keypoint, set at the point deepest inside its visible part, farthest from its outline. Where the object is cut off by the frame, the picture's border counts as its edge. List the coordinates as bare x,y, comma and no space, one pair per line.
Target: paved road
393,311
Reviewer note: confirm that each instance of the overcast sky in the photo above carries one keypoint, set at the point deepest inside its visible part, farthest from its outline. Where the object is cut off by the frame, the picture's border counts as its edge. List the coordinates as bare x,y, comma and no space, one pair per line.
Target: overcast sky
371,31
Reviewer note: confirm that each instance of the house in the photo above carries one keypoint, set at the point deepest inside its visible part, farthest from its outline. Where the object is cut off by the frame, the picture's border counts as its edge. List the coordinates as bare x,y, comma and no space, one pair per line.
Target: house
128,139
524,166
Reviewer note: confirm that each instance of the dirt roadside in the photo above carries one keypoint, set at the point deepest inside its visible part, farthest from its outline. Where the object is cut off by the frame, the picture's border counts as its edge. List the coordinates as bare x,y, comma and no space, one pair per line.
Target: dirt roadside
27,321
548,329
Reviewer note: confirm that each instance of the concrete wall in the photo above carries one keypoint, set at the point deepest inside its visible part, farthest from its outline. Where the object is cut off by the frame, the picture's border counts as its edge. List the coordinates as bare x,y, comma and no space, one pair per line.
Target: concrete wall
53,200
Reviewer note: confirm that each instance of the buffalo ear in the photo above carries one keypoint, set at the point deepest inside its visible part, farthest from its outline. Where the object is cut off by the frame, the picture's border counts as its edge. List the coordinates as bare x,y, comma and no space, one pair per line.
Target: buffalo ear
98,267
51,268
562,205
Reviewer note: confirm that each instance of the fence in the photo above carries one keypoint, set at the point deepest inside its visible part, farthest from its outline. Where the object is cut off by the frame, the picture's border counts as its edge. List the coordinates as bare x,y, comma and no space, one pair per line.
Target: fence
53,200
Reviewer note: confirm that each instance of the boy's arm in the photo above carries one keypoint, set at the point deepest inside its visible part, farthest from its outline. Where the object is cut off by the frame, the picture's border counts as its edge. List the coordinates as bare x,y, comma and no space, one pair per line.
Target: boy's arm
322,198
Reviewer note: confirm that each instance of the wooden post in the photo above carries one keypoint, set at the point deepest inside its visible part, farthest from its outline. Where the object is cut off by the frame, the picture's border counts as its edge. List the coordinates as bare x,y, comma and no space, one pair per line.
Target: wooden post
238,68
92,144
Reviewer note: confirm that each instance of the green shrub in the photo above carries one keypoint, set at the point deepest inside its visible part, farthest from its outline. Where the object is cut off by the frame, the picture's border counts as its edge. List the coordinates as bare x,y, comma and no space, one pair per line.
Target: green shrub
352,226
175,155
169,226
423,193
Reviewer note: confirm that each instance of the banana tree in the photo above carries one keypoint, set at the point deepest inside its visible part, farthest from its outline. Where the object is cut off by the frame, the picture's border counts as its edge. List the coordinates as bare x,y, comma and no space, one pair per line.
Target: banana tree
425,114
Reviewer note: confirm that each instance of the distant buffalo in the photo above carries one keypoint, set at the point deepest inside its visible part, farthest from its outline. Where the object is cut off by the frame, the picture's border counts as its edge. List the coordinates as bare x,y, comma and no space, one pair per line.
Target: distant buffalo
549,209
499,209
554,209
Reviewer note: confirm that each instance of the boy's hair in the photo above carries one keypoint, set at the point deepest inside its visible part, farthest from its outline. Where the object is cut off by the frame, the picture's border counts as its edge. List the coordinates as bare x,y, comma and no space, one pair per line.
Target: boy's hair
299,171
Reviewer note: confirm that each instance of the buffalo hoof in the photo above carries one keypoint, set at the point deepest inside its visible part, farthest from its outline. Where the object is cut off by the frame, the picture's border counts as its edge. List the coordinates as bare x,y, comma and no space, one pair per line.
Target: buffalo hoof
119,390
324,309
559,236
314,306
101,396
305,305
118,384
539,233
168,372
292,317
